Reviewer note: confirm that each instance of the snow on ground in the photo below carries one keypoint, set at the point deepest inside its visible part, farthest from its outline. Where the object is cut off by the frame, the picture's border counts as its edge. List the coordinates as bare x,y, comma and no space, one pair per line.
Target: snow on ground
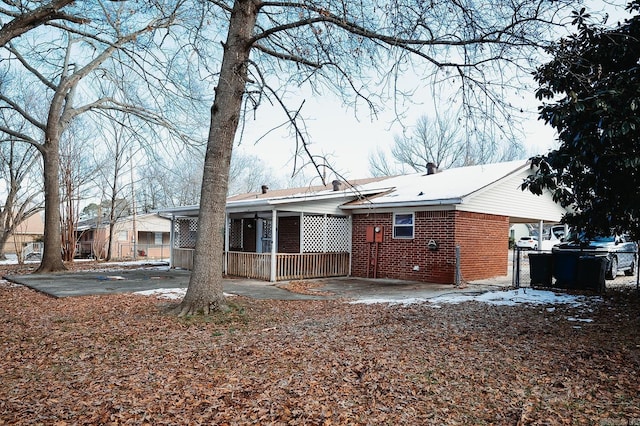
502,298
164,293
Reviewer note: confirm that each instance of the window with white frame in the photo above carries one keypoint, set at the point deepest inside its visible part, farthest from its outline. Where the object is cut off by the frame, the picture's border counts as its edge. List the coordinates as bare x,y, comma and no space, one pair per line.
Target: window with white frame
157,237
403,225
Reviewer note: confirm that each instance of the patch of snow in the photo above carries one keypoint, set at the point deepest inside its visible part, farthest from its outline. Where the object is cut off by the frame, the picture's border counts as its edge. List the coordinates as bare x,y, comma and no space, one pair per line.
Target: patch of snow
500,298
164,293
405,302
169,293
574,319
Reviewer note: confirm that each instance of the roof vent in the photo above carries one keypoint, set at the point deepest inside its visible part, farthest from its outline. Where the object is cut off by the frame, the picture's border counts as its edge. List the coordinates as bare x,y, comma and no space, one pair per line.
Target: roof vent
264,189
336,185
432,168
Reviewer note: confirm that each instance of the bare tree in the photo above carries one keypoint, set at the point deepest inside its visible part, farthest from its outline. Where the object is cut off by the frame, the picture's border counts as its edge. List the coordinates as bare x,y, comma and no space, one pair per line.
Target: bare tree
23,196
76,170
62,63
348,48
443,141
120,143
248,173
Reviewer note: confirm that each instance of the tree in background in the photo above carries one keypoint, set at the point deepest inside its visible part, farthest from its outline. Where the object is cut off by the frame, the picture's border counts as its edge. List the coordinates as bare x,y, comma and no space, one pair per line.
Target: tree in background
355,50
76,170
248,173
594,82
444,141
120,144
88,68
20,172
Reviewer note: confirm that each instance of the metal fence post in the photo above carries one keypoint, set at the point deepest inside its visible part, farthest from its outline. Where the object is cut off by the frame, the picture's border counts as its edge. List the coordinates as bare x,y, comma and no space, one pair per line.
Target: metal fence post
458,272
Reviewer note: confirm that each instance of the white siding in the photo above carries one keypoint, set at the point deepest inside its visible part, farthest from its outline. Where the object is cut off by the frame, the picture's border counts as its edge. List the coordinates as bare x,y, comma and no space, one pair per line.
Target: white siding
507,199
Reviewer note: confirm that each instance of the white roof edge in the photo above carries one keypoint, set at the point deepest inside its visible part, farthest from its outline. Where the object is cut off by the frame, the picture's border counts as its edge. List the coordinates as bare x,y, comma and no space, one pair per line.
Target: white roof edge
368,205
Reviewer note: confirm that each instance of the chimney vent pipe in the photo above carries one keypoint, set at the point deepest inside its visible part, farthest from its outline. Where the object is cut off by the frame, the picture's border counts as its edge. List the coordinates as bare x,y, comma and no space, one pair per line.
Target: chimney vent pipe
336,185
264,189
432,168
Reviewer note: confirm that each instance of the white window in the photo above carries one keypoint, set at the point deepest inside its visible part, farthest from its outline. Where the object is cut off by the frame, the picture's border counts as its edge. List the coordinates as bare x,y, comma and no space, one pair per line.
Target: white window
123,236
403,225
158,238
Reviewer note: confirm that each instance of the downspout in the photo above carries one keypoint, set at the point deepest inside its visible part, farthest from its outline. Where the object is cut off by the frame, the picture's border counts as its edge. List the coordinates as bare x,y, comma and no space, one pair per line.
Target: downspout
274,244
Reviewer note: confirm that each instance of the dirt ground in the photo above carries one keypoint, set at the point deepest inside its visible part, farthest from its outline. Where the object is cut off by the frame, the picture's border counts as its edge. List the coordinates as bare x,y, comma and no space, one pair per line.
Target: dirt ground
121,359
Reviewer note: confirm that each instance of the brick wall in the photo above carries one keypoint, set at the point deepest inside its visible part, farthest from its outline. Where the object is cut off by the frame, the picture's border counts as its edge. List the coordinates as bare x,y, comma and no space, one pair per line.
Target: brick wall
484,244
289,235
483,240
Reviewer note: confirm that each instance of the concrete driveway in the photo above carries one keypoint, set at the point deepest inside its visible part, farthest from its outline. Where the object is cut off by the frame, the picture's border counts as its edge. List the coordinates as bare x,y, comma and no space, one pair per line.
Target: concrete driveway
83,283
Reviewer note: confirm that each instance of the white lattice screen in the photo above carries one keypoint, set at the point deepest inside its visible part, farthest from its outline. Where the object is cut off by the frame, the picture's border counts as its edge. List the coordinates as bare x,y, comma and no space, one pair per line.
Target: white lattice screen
267,240
235,234
186,230
326,234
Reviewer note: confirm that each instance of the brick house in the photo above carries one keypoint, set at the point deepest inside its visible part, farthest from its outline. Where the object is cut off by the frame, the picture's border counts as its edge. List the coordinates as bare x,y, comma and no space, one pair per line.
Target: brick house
429,223
440,227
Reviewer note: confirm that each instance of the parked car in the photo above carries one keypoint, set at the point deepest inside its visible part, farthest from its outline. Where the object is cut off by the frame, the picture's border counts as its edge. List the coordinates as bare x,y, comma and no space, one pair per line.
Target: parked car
528,242
621,253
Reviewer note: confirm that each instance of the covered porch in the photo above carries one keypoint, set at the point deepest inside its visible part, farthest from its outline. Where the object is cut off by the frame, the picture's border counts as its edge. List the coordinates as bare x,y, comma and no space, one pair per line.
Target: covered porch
272,245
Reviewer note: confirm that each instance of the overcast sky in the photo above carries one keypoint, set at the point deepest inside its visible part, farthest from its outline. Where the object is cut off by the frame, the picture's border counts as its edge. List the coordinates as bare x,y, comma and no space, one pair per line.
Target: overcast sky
347,142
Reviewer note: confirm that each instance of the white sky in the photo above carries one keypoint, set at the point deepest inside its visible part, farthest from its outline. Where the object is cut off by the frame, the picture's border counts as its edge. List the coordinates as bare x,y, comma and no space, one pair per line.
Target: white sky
348,141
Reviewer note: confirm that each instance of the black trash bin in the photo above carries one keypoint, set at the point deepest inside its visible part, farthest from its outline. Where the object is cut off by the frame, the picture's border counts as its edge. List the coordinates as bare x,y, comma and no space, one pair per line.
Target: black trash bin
540,269
565,266
590,273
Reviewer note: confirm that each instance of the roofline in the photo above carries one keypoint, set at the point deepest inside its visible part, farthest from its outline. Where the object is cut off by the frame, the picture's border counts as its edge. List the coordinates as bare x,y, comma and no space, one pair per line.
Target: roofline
371,205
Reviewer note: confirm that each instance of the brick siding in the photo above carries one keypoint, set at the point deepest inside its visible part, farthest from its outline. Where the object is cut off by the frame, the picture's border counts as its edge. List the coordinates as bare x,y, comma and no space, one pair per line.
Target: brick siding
289,235
483,241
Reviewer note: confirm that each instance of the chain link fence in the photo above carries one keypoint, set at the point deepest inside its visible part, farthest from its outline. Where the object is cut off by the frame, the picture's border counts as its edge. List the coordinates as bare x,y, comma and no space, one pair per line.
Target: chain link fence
524,276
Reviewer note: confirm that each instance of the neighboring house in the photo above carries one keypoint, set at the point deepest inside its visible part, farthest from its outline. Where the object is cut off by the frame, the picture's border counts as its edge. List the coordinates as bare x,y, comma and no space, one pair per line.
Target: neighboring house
440,227
30,230
152,237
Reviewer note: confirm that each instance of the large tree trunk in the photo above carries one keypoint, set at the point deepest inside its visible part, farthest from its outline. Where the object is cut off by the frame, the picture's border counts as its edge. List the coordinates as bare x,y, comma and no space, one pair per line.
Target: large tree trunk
52,254
205,293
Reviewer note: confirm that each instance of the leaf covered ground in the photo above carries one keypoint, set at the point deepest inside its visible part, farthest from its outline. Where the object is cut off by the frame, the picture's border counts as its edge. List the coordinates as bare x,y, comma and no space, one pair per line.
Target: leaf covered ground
122,359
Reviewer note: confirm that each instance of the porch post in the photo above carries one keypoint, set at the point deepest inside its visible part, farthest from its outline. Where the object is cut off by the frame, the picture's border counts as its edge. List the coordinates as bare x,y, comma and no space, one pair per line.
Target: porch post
350,238
172,239
540,236
301,232
225,265
274,244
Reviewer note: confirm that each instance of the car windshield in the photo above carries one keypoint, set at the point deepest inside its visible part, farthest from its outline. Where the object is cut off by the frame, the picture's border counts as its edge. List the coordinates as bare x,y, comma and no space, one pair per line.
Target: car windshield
597,239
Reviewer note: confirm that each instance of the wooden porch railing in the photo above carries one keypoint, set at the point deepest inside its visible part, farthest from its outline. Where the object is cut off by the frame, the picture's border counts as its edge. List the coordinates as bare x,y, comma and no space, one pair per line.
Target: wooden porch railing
311,265
249,265
182,258
288,266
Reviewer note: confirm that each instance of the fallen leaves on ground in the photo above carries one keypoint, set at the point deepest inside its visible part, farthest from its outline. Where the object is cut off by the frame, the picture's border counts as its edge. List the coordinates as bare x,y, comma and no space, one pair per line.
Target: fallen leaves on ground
308,287
122,360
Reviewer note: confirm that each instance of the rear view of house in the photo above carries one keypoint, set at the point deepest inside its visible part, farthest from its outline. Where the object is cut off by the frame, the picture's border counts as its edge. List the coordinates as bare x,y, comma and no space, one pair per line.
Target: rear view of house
440,227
